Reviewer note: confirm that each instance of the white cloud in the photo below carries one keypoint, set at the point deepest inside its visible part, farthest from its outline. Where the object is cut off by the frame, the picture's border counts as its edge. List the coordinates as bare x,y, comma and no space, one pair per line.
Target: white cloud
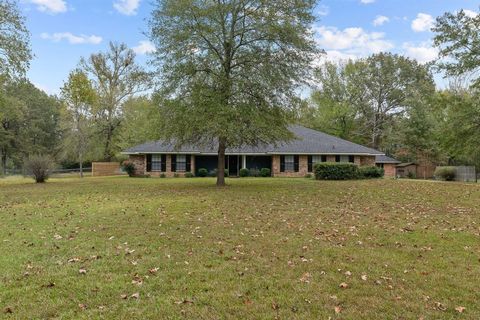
380,20
71,38
127,7
423,53
51,6
144,47
367,1
470,13
351,42
423,22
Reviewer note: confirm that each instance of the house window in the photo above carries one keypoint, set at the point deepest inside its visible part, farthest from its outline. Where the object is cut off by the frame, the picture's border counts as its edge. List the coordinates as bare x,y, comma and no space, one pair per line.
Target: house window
345,159
289,163
181,162
156,162
318,159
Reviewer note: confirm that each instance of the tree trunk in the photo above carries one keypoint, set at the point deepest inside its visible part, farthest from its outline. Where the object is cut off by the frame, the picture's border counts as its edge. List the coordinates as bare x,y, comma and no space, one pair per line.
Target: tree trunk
4,163
81,165
106,153
221,163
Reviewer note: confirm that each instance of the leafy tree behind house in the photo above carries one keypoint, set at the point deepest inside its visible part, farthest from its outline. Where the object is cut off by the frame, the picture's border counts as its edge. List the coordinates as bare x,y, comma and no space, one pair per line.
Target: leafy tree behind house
231,69
457,35
79,99
116,77
363,100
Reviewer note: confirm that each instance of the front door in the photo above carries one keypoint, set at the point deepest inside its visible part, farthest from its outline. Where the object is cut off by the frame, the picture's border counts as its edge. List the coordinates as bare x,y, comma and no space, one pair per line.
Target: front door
233,165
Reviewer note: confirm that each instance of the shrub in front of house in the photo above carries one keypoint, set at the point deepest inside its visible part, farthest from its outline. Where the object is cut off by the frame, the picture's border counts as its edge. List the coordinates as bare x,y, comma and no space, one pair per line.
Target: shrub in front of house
189,175
39,167
336,171
254,172
163,175
129,168
213,173
445,173
202,172
370,172
244,173
265,172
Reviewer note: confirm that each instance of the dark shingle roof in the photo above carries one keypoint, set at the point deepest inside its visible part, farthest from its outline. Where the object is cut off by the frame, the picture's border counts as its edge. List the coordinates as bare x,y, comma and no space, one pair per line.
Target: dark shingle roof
385,159
307,141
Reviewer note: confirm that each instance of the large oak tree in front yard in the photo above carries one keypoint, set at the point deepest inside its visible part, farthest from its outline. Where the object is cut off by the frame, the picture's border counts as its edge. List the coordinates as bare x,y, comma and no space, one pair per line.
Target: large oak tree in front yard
231,70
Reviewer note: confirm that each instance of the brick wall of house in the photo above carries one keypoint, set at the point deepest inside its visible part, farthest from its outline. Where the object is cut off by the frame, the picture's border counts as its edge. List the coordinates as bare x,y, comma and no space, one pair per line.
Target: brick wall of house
302,167
367,160
140,163
168,173
389,170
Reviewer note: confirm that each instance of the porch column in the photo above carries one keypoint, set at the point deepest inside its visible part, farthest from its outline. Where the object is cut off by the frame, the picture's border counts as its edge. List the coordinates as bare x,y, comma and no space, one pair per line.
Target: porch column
244,161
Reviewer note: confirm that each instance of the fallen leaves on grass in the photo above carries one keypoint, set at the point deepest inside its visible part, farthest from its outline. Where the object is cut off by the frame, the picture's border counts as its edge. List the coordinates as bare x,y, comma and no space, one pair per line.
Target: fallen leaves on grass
306,277
8,310
82,306
184,301
460,309
338,309
82,271
343,285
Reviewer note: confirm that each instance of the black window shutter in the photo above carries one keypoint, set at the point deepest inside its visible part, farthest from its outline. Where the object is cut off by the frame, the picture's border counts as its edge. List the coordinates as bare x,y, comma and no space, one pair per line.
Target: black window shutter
324,158
164,163
351,159
310,163
282,163
174,163
297,165
188,159
337,158
149,162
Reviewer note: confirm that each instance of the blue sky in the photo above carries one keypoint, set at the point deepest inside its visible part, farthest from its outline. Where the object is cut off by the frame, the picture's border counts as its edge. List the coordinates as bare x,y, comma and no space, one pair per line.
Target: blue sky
65,30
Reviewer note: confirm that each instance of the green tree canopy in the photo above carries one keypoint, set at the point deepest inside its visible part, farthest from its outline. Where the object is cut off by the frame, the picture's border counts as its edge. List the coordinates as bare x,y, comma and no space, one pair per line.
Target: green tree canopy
15,53
116,77
458,38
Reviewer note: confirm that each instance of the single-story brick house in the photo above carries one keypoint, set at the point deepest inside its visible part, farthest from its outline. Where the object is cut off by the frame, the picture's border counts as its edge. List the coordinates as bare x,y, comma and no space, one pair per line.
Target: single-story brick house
294,158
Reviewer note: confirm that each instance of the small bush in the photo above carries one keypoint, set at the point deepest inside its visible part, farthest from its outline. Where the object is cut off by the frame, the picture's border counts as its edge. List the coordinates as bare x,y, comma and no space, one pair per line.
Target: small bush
254,172
163,175
202,172
39,167
308,176
176,175
213,173
336,171
265,172
411,175
371,172
445,173
189,175
244,173
129,168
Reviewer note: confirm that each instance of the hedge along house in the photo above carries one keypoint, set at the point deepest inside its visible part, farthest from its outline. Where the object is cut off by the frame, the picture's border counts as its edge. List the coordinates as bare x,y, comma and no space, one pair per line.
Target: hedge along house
294,158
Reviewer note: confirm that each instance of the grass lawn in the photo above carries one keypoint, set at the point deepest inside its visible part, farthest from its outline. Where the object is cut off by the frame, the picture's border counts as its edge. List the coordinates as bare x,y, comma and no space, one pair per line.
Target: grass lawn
121,248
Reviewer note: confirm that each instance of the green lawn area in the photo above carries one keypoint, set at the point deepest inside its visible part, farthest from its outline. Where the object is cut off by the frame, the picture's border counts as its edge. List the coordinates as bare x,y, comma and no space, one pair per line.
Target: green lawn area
125,248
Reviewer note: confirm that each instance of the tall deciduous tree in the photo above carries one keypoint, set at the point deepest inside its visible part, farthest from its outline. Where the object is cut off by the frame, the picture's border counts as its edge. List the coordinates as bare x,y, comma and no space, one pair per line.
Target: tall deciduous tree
331,109
116,77
15,53
379,88
458,38
141,121
79,99
231,69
